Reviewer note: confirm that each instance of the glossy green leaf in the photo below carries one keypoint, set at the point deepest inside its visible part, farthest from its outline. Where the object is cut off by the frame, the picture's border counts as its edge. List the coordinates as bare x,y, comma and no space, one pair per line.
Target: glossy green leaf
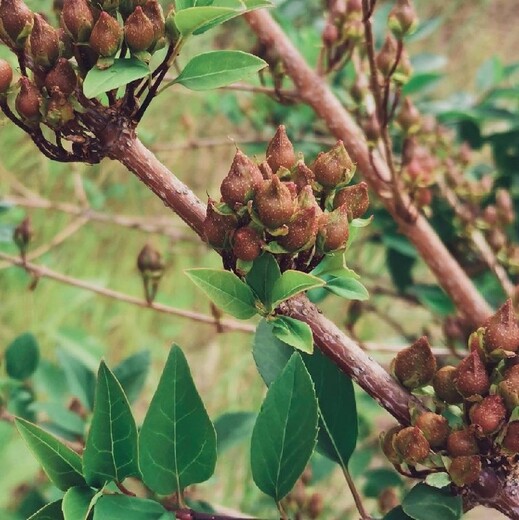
49,512
438,480
122,72
424,502
132,372
22,357
111,448
285,432
122,507
397,514
177,440
217,69
195,18
60,463
81,380
262,277
292,283
226,291
348,288
378,479
293,332
233,427
77,503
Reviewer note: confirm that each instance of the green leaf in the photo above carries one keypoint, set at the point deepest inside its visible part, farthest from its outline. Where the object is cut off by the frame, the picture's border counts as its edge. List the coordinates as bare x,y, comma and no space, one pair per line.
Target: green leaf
122,72
121,507
111,446
433,297
292,283
262,277
400,244
61,416
193,18
378,479
438,480
80,378
177,440
397,514
424,502
285,432
422,82
293,332
60,463
217,69
490,73
77,503
22,357
232,428
132,372
226,291
49,512
348,288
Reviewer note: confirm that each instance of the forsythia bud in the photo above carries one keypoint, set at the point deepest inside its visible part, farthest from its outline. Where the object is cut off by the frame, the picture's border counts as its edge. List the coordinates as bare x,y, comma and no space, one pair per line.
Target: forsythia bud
62,77
280,151
217,227
59,110
386,441
106,35
471,377
465,470
153,10
402,19
16,21
302,230
6,76
315,506
333,167
44,43
409,117
411,444
444,386
434,427
386,58
246,244
77,19
138,31
28,101
274,203
415,366
502,330
462,442
334,230
488,415
355,198
372,129
303,176
508,389
511,440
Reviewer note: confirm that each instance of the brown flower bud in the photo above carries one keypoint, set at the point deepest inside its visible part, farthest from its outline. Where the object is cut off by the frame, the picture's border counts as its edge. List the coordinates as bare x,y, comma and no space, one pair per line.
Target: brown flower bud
333,167
502,329
66,45
409,117
359,89
388,500
22,235
302,230
59,110
372,129
402,19
62,77
106,36
28,101
126,7
330,33
315,506
488,415
465,470
6,76
274,203
411,444
505,206
44,42
242,180
16,21
303,176
387,444
77,19
512,374
509,391
334,230
386,57
434,427
471,378
356,199
444,387
108,5
153,10
462,442
354,8
511,440
246,244
149,261
138,31
415,366
280,152
217,227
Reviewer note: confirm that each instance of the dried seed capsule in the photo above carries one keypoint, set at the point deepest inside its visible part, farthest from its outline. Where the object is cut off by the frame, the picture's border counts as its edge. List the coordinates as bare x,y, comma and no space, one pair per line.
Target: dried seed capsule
511,440
106,36
356,199
488,415
333,167
462,442
138,31
434,427
387,444
62,77
217,228
280,151
444,387
411,444
28,101
44,42
16,21
334,230
246,244
465,470
415,366
402,19
274,203
502,330
386,58
6,76
471,377
77,19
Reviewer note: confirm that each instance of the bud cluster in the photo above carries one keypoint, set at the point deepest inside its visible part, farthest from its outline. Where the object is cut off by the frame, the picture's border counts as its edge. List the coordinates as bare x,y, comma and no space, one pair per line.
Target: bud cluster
285,207
482,392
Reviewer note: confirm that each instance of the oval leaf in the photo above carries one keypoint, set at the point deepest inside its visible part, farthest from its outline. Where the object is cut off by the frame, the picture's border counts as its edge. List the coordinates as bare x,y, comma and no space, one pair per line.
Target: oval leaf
262,278
424,502
217,69
60,463
49,512
285,432
77,503
193,18
121,507
122,72
292,283
348,288
111,447
293,332
177,441
22,356
80,378
226,291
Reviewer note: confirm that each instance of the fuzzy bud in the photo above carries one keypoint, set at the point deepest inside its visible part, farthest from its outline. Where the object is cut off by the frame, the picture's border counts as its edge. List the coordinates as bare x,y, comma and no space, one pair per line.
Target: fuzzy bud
402,19
6,76
315,506
217,227
509,391
274,203
444,386
149,261
22,235
106,36
471,378
62,77
77,19
28,101
511,440
434,427
488,415
303,176
59,110
138,31
333,167
280,151
411,444
386,58
16,21
462,442
44,43
359,89
415,366
502,330
387,444
153,10
409,117
465,470
246,244
302,230
242,180
355,198
127,7
334,230
372,129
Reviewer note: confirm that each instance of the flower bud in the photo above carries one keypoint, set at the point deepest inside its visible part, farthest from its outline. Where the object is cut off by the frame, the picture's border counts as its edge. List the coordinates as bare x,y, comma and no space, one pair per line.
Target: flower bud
274,203
77,19
387,500
334,230
280,152
149,260
22,235
415,366
106,36
153,10
44,43
488,415
444,386
66,45
471,378
387,444
411,444
138,31
127,7
359,89
465,470
16,21
511,440
62,77
242,180
28,101
372,129
386,58
315,506
505,206
402,19
246,244
409,117
462,442
512,374
502,330
434,427
59,110
355,198
333,167
303,176
509,391
6,76
217,228
302,230
330,33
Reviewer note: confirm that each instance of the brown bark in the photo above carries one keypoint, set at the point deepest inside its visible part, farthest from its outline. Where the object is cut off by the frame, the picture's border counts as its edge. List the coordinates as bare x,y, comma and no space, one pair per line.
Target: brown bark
315,92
